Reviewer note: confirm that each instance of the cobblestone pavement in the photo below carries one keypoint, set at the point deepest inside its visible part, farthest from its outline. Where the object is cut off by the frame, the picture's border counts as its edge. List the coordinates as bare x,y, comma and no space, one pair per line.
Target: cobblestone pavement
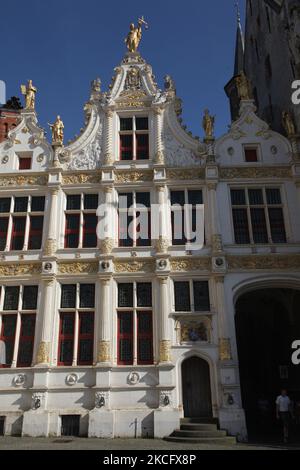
29,443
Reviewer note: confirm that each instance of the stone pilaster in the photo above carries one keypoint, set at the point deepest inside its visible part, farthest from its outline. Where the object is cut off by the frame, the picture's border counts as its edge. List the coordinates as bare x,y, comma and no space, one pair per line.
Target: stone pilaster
104,343
162,242
44,344
216,238
165,342
51,242
108,150
159,150
223,328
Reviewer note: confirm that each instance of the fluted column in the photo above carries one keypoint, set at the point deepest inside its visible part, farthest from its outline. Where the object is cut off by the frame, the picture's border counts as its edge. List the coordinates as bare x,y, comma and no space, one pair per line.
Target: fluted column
162,242
216,238
108,145
165,343
223,327
159,150
104,343
106,237
45,311
51,242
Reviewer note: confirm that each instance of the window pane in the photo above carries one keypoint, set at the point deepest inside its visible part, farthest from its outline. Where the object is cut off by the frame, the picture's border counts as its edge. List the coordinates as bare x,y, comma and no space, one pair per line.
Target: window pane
26,341
277,225
21,204
3,232
125,200
143,198
72,231
273,196
24,163
241,228
195,197
91,201
259,227
142,146
126,124
89,231
37,203
125,338
87,295
27,325
126,144
18,233
67,324
36,232
68,296
201,296
255,196
73,202
144,340
182,296
11,298
177,197
85,353
8,336
251,155
30,294
66,351
144,294
125,295
238,197
5,204
141,123
86,323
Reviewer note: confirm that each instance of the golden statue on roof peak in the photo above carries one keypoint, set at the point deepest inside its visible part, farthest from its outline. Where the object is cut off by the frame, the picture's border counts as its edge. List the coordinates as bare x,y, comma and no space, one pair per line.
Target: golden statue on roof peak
134,36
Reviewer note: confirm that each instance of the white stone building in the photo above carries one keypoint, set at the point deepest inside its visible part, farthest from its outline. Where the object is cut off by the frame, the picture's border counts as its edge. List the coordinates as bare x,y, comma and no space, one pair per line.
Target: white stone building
123,337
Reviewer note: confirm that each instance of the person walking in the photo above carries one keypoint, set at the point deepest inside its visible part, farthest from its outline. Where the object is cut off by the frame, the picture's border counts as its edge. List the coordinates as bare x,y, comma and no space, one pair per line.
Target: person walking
284,412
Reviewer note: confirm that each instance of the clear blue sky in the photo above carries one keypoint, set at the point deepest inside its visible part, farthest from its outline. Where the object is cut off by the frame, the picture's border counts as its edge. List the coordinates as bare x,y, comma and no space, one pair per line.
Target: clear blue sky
63,44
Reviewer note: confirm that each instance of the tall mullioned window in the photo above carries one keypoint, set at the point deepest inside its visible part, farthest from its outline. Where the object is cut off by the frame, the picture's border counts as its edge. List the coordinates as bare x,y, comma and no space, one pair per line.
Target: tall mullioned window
21,222
183,222
191,296
134,219
258,216
81,221
134,138
18,305
76,324
135,329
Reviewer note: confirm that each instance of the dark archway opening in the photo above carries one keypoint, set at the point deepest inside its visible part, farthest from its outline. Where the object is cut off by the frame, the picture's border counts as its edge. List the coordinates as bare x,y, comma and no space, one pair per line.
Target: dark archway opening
196,388
267,322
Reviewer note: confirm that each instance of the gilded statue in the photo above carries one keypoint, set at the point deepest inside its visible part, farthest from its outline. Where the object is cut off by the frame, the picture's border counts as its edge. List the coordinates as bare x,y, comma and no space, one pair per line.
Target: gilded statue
57,131
96,85
244,86
29,92
288,123
208,124
134,36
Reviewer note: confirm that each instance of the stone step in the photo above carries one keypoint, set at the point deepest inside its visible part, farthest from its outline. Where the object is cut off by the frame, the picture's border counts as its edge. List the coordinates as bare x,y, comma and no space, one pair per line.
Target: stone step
199,427
199,420
205,433
203,440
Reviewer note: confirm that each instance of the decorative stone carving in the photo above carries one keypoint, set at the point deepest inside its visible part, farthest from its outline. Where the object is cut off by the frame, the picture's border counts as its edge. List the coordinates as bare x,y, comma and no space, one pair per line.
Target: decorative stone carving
133,176
217,244
81,178
77,268
19,380
20,269
133,378
4,159
161,245
43,354
165,398
198,264
193,331
37,400
224,349
101,399
134,266
107,246
90,157
159,158
104,354
165,350
271,261
186,174
132,99
236,133
133,79
176,154
23,180
72,379
50,247
247,172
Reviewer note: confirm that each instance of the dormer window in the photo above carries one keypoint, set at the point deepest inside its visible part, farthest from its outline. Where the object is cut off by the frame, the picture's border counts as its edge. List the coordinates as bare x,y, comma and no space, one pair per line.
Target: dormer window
134,138
24,161
251,154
